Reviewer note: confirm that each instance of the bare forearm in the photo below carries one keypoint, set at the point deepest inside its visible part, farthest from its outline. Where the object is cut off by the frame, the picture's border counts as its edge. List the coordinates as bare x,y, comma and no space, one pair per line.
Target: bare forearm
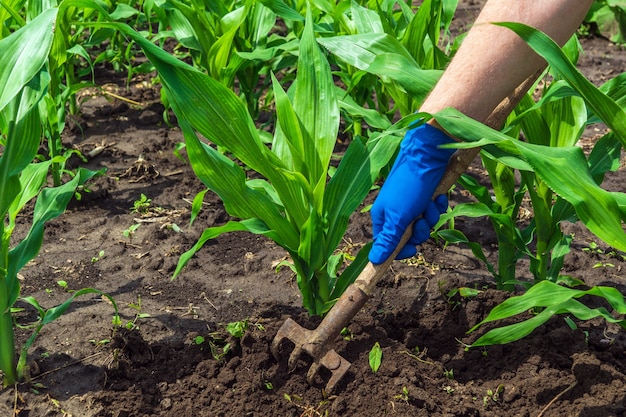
493,60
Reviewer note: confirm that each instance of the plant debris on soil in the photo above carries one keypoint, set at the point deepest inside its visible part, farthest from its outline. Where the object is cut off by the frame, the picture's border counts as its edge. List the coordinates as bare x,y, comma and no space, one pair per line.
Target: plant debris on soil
173,356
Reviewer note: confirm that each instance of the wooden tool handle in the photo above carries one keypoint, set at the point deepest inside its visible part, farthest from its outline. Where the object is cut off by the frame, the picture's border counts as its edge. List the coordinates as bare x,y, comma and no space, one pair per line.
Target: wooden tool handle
461,159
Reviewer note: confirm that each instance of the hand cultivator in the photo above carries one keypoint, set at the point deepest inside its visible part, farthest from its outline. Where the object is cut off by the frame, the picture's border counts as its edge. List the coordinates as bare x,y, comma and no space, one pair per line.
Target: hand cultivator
317,343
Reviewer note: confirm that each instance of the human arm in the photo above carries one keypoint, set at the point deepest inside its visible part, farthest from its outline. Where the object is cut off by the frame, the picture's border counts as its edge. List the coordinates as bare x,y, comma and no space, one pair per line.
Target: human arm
489,65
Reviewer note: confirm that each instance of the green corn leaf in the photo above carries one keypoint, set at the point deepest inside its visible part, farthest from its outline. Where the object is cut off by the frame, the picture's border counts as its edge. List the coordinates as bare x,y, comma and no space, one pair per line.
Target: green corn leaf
615,88
221,50
417,82
32,178
366,20
513,332
283,10
50,204
567,119
384,56
24,53
228,180
564,170
123,12
10,9
192,23
23,136
316,105
261,22
183,29
288,142
371,116
604,157
361,50
542,294
422,35
196,206
603,106
346,190
557,300
249,225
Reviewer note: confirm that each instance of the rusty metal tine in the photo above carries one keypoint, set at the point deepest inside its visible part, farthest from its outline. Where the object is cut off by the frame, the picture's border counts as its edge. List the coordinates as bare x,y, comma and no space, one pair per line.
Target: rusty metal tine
289,330
292,363
337,365
310,375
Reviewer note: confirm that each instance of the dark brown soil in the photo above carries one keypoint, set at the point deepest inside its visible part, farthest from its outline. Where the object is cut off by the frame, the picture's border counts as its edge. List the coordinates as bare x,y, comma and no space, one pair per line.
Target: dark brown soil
78,368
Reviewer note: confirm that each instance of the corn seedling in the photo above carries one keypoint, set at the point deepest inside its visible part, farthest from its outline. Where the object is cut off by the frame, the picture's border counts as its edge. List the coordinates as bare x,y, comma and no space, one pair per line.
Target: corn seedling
563,185
233,42
398,48
293,203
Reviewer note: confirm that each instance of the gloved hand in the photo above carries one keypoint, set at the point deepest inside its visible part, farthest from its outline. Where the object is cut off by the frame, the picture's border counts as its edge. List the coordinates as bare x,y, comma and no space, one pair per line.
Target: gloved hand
407,193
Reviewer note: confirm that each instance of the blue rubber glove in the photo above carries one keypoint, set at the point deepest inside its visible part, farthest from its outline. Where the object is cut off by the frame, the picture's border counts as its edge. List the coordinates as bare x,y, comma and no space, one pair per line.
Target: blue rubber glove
407,193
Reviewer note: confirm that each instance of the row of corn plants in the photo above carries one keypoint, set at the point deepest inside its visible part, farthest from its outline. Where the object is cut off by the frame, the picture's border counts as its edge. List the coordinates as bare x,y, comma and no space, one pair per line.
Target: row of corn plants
312,64
405,59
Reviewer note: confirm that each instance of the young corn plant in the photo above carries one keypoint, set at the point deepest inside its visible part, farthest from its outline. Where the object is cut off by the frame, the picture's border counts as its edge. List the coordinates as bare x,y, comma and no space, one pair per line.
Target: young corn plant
24,79
562,183
292,201
232,41
558,119
395,46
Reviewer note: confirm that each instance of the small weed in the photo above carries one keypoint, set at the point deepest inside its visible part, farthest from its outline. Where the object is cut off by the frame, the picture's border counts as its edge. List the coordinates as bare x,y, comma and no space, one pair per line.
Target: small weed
404,396
99,343
237,328
466,347
616,255
142,205
308,410
130,232
63,284
95,259
449,374
375,357
493,397
346,334
593,248
419,355
138,315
